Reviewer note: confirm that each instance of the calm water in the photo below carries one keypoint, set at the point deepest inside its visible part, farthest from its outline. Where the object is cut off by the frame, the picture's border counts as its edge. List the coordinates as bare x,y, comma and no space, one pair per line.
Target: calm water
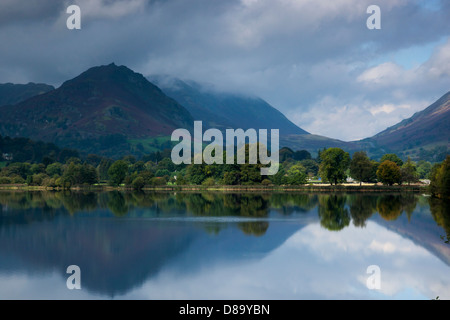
223,246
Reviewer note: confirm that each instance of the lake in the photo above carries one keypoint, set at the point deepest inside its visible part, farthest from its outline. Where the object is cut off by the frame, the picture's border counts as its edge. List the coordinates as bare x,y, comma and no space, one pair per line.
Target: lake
224,246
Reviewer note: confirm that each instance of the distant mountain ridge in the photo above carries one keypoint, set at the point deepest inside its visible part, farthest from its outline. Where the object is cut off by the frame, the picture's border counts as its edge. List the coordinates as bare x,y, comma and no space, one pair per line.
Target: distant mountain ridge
97,111
113,111
15,93
428,129
224,110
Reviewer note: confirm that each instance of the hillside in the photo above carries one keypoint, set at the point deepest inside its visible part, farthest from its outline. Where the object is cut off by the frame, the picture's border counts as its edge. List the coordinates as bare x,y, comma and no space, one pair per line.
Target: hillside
425,134
222,110
97,112
15,93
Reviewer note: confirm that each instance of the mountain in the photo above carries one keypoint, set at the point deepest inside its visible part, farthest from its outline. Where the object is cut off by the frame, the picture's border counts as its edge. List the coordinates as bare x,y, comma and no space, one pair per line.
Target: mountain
224,110
15,93
425,135
99,111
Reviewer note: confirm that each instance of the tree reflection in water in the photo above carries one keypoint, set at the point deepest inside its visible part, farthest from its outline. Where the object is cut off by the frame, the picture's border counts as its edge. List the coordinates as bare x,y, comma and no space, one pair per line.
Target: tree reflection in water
335,211
440,210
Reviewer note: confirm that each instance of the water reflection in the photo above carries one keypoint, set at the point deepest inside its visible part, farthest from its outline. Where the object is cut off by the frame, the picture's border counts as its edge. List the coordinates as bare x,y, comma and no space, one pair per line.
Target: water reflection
122,240
335,211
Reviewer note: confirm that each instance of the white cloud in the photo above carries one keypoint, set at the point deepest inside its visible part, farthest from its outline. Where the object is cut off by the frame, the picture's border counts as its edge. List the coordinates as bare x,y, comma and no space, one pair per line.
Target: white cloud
384,74
322,264
387,108
439,64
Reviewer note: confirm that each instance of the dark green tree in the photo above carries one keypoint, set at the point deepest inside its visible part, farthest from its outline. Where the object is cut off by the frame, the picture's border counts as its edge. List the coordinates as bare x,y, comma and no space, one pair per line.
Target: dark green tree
302,155
311,167
409,172
117,172
333,214
424,169
440,180
361,167
335,162
54,169
138,183
103,168
392,157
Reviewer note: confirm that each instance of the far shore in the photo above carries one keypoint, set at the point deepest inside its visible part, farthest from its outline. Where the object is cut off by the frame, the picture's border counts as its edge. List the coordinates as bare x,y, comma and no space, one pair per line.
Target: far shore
416,188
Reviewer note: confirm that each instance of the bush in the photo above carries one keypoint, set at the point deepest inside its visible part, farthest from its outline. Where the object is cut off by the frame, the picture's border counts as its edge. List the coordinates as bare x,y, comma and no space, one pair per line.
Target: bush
266,182
138,183
209,182
181,181
17,180
38,179
49,182
158,181
440,180
5,180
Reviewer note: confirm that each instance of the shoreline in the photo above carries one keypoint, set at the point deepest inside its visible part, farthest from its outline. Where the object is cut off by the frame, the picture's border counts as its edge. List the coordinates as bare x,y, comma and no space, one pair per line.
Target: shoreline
237,189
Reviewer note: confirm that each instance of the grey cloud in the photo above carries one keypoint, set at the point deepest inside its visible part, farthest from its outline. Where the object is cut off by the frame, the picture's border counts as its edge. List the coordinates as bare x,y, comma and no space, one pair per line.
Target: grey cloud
23,12
292,53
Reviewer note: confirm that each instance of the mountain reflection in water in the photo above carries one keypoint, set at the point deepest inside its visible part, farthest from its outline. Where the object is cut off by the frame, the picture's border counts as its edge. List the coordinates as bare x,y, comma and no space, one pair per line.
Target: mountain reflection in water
121,240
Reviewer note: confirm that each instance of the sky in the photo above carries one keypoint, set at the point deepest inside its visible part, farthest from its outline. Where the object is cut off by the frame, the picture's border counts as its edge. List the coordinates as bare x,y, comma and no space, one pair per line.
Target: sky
322,265
314,60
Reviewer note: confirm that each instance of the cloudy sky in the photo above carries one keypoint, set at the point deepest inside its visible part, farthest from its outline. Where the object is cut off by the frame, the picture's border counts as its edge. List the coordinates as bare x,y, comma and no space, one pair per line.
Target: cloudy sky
314,60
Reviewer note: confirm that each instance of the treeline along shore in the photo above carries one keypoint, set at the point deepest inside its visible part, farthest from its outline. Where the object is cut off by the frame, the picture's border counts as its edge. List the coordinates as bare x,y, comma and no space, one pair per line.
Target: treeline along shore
332,170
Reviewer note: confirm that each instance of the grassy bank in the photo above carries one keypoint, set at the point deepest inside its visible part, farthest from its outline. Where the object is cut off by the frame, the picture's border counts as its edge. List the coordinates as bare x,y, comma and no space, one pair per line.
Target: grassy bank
252,188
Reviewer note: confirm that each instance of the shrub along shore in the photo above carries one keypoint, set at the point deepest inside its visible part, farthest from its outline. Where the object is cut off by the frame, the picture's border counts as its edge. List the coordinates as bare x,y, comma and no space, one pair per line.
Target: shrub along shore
417,188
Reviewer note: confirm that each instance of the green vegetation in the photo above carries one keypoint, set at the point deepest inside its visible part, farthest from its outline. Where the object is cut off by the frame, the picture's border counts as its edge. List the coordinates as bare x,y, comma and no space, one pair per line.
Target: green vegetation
389,173
409,172
334,164
440,180
392,157
48,166
335,211
361,167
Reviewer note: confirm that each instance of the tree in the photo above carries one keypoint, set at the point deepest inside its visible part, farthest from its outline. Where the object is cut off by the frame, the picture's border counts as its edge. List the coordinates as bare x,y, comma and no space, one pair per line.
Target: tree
296,175
440,180
54,169
389,173
424,169
409,172
311,167
209,182
392,157
117,172
195,173
250,174
103,168
389,207
77,174
302,155
373,173
138,183
335,162
361,167
231,178
333,214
